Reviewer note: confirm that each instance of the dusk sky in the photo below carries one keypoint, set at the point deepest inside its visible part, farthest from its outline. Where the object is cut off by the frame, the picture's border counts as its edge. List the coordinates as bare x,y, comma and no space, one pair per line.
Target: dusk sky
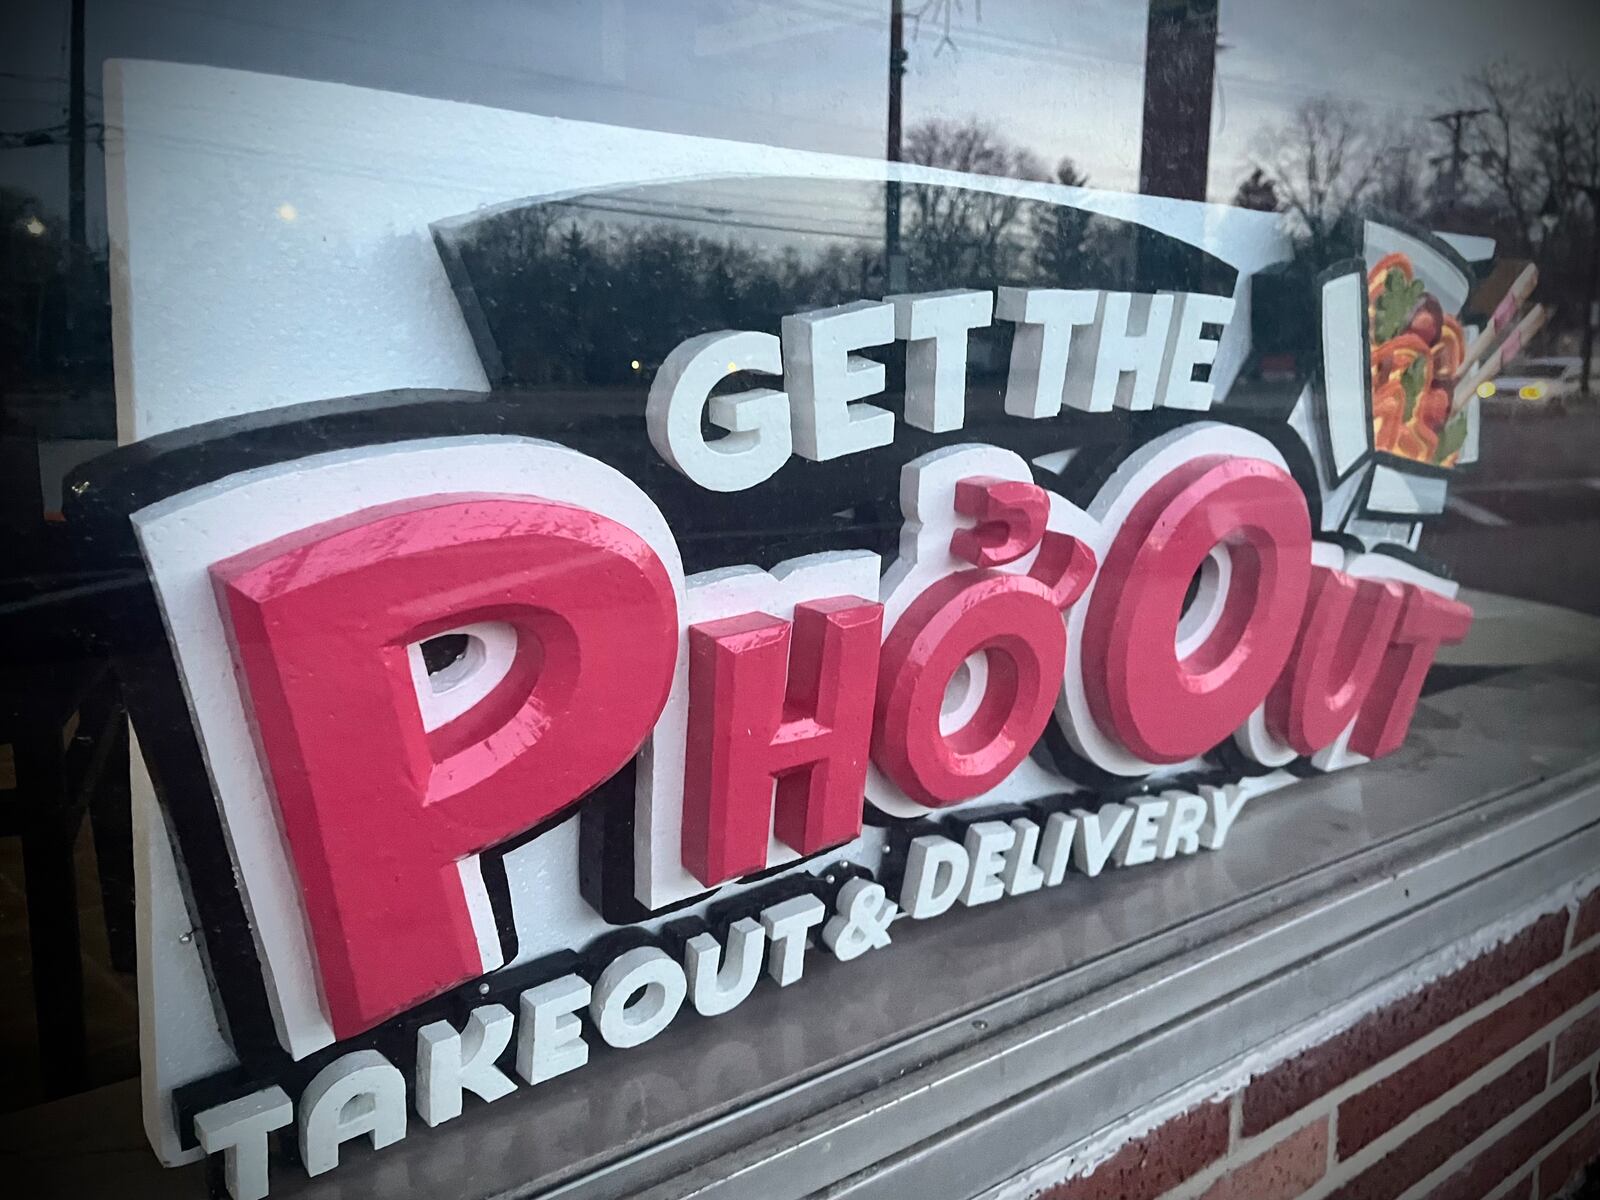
1061,78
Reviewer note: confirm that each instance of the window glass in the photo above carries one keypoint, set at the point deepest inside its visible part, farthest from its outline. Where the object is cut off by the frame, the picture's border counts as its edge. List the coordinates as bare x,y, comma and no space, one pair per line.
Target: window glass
1473,132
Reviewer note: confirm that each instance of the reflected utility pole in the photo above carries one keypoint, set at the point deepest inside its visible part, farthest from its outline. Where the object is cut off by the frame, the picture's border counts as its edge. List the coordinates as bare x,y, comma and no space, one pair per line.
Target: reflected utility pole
894,263
1457,122
77,234
1180,64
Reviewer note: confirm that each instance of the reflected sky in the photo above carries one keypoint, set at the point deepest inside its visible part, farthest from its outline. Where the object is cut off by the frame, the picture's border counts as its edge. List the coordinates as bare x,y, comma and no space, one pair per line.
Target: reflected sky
1059,78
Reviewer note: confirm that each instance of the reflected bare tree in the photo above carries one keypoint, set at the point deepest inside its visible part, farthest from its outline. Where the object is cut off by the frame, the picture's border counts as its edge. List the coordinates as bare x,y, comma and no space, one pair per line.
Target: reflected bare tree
1502,147
1323,163
1565,140
593,294
599,289
1529,177
958,231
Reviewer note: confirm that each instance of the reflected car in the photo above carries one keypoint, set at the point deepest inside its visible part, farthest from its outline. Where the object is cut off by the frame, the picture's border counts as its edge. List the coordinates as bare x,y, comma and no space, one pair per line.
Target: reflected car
1535,382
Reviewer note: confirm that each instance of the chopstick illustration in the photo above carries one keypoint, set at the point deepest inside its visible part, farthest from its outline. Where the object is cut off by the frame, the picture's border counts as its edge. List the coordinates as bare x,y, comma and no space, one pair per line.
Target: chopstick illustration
1503,354
1504,313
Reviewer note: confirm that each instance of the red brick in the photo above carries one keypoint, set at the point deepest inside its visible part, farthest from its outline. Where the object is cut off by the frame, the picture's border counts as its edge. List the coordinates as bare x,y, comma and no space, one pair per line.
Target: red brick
1370,1113
1567,1159
1281,1173
1576,1043
1296,1082
1587,922
1497,1164
1157,1162
1424,1151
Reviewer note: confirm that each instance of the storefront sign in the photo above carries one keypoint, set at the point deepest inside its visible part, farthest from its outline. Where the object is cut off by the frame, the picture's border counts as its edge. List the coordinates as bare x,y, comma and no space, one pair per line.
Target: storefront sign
494,728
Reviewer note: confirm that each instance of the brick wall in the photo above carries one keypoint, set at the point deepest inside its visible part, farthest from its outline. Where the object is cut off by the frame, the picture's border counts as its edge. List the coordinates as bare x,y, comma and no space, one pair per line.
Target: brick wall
1478,1085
